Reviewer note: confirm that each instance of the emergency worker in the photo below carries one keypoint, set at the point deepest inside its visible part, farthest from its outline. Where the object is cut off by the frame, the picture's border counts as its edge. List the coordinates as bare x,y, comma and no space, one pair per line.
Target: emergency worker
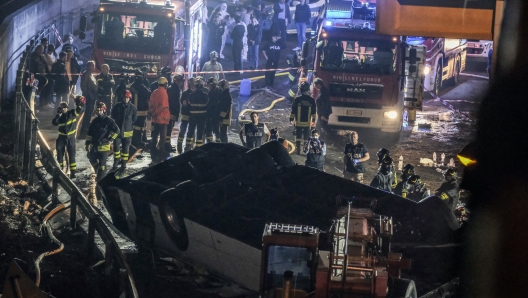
122,87
303,112
140,99
174,93
214,67
198,101
416,189
275,136
315,150
293,74
382,153
124,114
102,131
401,187
211,124
67,123
324,108
185,112
355,154
159,110
165,72
253,132
225,104
384,178
271,52
89,91
105,85
449,191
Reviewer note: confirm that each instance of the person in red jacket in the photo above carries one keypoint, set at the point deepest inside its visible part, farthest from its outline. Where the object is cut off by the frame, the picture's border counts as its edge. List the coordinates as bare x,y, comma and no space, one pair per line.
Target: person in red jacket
159,110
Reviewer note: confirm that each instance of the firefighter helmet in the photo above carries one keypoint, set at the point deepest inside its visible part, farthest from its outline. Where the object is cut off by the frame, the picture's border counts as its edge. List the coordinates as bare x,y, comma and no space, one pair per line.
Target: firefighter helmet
382,153
63,105
162,81
79,100
213,54
450,174
304,87
223,84
212,80
408,170
128,94
101,106
414,180
165,70
198,81
387,160
177,78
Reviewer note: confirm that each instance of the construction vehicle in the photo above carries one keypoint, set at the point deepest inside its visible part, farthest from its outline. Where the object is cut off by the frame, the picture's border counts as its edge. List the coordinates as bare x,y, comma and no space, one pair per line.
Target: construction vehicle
139,35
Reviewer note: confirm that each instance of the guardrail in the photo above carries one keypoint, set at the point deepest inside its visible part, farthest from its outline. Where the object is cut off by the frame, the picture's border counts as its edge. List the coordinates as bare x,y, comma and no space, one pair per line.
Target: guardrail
27,135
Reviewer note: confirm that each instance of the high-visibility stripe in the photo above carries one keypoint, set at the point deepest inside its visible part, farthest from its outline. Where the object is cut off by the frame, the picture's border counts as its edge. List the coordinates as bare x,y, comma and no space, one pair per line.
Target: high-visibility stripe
223,114
125,156
173,117
103,168
71,121
184,117
190,141
291,93
70,133
167,138
128,134
138,128
62,124
292,78
73,166
113,136
117,155
226,121
60,164
88,138
103,148
198,112
180,140
142,113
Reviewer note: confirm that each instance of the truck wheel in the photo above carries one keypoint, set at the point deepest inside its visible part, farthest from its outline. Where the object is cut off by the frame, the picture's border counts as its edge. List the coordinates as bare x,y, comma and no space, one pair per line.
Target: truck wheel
402,288
438,80
453,81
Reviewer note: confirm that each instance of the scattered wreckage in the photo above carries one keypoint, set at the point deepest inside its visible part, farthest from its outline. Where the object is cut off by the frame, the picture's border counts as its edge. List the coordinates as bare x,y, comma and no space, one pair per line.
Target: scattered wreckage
209,206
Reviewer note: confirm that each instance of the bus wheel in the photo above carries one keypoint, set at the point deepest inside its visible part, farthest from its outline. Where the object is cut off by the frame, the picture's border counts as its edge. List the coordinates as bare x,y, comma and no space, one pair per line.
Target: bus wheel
438,80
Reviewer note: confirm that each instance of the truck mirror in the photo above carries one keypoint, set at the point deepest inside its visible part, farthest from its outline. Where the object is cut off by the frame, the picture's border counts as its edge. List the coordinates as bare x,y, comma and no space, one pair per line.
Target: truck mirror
82,23
412,57
304,53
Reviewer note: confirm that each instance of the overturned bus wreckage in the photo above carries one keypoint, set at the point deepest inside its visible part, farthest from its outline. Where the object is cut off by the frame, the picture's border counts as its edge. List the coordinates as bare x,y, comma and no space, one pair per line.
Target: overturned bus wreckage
209,206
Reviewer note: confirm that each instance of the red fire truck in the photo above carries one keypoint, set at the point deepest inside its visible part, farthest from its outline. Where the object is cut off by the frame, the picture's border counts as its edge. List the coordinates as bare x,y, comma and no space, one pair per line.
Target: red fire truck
131,35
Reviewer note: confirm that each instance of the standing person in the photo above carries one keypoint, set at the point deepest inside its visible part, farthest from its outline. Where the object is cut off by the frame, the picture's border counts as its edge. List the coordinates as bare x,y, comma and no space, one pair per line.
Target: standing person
303,112
166,73
237,34
204,20
185,112
37,66
68,42
140,98
401,187
384,178
89,89
72,68
159,110
258,6
355,154
101,133
271,53
51,58
124,114
67,123
198,101
302,19
62,83
214,66
253,132
281,18
122,87
45,43
324,108
225,16
225,103
294,61
254,37
315,151
105,84
174,93
211,124
449,191
216,33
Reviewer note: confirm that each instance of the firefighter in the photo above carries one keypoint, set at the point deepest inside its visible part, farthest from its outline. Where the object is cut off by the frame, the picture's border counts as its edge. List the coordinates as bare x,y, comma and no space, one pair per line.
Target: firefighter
416,189
315,150
121,88
384,178
253,132
124,114
356,154
140,99
174,93
293,74
101,133
324,108
105,84
184,119
159,110
225,109
401,187
67,123
382,153
198,101
165,72
449,190
275,136
303,112
211,125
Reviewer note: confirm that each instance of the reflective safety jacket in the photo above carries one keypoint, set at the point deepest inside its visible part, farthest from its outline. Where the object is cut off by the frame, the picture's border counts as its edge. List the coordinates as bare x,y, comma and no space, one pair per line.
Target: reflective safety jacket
303,111
174,93
293,74
102,132
225,107
124,115
185,108
198,101
159,106
140,97
67,122
449,192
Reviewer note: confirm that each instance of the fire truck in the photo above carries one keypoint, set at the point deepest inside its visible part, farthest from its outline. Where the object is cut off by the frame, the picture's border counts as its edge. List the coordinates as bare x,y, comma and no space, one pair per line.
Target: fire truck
372,77
147,35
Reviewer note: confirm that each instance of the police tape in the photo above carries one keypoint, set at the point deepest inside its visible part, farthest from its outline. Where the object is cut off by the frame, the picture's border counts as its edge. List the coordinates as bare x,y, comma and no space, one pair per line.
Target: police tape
448,105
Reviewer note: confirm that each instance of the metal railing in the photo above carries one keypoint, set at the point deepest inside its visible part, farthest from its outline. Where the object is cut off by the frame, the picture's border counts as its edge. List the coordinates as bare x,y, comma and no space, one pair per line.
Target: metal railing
27,135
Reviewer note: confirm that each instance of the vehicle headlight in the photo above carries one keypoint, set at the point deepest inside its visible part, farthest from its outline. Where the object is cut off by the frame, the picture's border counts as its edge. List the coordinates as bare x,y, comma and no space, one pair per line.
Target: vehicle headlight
390,114
427,69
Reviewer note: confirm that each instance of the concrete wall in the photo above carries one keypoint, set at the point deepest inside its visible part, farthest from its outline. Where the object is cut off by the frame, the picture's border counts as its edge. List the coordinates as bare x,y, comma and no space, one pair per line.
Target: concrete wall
21,26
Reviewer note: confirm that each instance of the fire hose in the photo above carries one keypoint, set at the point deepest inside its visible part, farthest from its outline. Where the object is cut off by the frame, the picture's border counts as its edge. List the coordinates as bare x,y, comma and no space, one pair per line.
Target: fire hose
240,120
52,237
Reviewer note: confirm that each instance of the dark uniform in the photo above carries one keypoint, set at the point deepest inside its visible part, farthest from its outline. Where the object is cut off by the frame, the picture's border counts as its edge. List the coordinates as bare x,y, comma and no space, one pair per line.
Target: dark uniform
324,108
216,31
273,50
416,190
105,84
124,115
102,131
352,152
140,98
225,112
303,111
67,123
121,88
315,154
383,181
293,74
184,120
449,192
254,134
174,93
211,125
198,101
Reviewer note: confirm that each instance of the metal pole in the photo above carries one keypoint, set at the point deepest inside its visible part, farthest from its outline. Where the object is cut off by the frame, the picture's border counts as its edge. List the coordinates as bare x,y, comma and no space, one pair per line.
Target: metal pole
73,211
34,128
345,259
27,140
